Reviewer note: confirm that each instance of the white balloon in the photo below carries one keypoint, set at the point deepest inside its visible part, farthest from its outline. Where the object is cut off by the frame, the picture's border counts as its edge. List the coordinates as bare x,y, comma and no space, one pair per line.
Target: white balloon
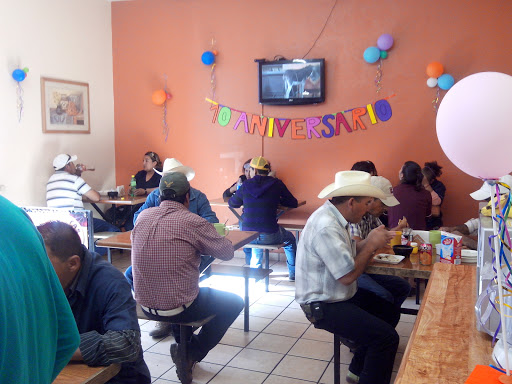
474,125
432,82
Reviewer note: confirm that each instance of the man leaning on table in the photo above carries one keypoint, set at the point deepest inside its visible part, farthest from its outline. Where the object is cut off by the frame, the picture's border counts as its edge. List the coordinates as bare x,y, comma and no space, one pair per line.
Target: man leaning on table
260,196
167,242
102,304
328,264
198,204
66,187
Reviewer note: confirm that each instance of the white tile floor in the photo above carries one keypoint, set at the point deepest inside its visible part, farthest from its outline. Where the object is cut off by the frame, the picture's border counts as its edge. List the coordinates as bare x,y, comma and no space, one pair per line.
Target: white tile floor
282,347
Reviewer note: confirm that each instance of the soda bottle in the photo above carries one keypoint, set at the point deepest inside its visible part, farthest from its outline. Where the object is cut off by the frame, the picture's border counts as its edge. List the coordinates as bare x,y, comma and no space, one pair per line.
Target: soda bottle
133,186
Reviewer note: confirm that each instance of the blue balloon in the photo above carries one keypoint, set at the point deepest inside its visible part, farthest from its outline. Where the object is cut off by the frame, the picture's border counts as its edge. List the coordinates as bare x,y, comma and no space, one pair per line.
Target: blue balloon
18,75
208,58
445,81
371,54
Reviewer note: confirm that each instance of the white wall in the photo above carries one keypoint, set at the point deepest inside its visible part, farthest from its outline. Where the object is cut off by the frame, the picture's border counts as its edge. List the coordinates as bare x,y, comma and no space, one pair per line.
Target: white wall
63,39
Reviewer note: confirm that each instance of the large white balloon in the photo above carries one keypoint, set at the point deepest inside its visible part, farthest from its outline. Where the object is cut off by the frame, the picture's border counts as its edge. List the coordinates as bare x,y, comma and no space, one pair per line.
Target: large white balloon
474,124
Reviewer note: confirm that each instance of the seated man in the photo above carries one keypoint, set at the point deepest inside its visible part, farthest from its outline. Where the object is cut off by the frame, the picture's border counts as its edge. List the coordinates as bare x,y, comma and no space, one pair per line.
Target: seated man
469,230
166,243
38,333
328,264
65,189
391,288
102,303
198,204
260,197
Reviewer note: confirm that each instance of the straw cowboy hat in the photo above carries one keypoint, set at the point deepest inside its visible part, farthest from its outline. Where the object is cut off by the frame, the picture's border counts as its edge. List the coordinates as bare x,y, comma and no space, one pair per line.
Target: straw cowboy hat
174,165
351,183
485,193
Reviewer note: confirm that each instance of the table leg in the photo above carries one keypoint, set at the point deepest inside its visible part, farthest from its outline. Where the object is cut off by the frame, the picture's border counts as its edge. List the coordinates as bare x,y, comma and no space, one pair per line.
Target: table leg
100,212
235,213
267,265
246,306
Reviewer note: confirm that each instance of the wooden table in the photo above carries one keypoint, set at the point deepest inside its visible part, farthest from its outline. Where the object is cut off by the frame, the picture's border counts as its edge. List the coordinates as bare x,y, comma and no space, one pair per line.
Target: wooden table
281,209
80,373
123,240
445,345
403,269
126,200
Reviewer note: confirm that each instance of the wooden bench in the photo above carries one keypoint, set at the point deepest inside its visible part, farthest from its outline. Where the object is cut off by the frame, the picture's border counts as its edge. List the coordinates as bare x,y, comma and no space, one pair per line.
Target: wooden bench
105,235
239,271
267,248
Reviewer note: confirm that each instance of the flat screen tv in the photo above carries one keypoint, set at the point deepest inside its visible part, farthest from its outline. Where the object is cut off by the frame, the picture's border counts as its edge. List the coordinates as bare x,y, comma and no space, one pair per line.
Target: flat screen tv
291,82
79,219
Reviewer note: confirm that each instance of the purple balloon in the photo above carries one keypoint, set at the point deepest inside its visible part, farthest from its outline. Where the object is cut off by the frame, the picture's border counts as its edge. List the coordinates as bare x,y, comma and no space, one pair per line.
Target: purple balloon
385,42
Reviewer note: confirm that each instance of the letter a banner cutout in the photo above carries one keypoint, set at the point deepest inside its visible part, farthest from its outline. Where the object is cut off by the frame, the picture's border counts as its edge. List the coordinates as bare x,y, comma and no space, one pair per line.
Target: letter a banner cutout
326,126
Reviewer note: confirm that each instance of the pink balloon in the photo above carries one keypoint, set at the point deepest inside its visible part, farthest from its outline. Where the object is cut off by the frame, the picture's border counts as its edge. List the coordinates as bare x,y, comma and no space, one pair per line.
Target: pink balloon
473,125
385,42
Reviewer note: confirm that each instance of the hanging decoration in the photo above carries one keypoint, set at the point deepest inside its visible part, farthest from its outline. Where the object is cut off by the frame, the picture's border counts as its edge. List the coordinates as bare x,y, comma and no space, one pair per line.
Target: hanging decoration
160,97
208,58
19,75
373,54
464,125
325,126
437,78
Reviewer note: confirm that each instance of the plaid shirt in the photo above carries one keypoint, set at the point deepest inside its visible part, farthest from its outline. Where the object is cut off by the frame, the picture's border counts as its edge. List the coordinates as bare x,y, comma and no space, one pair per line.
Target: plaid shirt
167,242
365,226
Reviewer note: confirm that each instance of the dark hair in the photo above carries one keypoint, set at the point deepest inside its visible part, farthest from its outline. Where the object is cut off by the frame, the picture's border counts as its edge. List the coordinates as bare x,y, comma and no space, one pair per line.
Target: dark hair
154,157
170,194
336,200
411,174
432,170
247,162
262,172
61,239
365,166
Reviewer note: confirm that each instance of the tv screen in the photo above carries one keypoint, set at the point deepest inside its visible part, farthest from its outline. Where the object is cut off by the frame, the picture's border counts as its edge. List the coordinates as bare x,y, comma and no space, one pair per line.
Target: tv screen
80,219
291,82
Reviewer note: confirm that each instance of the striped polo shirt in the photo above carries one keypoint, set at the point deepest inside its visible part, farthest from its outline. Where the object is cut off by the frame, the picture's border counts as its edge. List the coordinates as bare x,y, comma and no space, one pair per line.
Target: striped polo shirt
65,190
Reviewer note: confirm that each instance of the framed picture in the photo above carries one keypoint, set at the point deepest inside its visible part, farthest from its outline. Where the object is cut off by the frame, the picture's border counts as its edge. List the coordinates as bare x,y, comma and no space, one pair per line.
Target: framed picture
65,106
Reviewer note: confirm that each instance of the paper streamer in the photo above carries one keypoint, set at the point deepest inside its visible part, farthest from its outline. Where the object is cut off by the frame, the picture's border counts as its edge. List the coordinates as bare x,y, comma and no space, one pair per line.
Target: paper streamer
19,100
378,76
435,102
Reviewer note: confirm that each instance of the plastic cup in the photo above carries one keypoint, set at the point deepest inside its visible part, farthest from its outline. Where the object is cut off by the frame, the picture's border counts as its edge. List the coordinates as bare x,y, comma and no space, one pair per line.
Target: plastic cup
434,238
397,240
221,229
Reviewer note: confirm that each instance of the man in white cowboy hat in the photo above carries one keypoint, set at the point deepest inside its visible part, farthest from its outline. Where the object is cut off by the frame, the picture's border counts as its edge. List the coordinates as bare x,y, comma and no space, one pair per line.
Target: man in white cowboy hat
66,187
328,264
391,288
469,230
198,204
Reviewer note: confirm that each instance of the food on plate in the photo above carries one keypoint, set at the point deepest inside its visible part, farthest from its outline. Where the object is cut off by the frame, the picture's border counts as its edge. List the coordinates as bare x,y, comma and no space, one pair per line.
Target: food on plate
391,258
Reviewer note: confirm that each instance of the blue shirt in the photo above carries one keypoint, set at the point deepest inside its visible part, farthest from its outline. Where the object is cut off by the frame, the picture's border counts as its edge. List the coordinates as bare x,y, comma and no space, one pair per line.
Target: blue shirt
198,204
101,301
38,334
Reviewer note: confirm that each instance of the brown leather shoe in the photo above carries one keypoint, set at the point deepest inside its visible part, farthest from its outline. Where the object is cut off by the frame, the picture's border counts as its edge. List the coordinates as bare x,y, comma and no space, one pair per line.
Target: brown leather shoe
162,329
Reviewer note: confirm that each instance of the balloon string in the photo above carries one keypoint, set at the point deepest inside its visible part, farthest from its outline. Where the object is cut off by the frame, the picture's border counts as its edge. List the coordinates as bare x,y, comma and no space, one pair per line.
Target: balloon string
165,127
19,101
213,82
435,102
378,76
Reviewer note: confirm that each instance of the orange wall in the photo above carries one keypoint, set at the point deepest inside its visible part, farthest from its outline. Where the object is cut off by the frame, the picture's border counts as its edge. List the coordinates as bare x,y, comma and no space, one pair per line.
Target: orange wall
156,37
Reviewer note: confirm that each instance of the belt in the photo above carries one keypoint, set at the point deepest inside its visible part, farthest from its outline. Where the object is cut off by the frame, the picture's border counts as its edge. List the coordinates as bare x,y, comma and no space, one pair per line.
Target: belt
170,312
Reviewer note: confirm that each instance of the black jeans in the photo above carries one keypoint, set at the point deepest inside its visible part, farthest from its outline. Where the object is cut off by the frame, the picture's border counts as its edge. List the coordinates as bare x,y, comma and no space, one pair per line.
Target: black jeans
226,306
369,321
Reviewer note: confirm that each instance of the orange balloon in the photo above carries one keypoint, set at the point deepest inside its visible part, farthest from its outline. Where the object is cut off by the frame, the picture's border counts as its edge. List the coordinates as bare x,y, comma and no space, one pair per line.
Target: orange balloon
159,97
435,69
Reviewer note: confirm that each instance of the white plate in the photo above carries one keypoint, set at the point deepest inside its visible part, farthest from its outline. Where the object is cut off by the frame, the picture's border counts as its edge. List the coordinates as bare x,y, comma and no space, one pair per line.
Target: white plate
468,253
388,259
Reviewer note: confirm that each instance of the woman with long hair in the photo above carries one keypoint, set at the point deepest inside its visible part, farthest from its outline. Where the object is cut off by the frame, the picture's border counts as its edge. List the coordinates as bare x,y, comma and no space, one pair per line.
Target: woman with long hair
415,201
431,171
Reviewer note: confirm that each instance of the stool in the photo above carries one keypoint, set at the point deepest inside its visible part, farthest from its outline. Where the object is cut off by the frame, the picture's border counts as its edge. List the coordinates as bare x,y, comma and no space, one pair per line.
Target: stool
186,330
266,248
338,340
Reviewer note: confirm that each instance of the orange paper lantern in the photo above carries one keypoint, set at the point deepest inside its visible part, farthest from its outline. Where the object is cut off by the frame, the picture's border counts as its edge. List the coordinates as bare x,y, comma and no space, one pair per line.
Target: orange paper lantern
435,69
159,97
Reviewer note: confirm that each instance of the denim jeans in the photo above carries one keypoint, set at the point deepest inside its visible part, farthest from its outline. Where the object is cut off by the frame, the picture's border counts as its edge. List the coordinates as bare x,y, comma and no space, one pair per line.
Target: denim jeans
369,322
254,257
102,226
226,306
391,288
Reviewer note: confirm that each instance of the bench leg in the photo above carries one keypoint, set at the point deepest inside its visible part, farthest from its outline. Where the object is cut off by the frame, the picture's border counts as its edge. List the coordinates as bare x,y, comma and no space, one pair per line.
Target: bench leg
418,287
337,344
246,306
267,264
109,255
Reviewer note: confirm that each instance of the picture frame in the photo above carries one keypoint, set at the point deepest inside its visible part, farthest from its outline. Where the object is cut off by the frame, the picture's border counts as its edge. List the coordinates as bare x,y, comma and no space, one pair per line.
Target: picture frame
65,106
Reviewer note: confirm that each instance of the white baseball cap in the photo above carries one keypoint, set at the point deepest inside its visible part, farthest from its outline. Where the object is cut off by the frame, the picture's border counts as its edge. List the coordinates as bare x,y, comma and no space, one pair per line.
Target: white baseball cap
385,186
62,160
485,191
